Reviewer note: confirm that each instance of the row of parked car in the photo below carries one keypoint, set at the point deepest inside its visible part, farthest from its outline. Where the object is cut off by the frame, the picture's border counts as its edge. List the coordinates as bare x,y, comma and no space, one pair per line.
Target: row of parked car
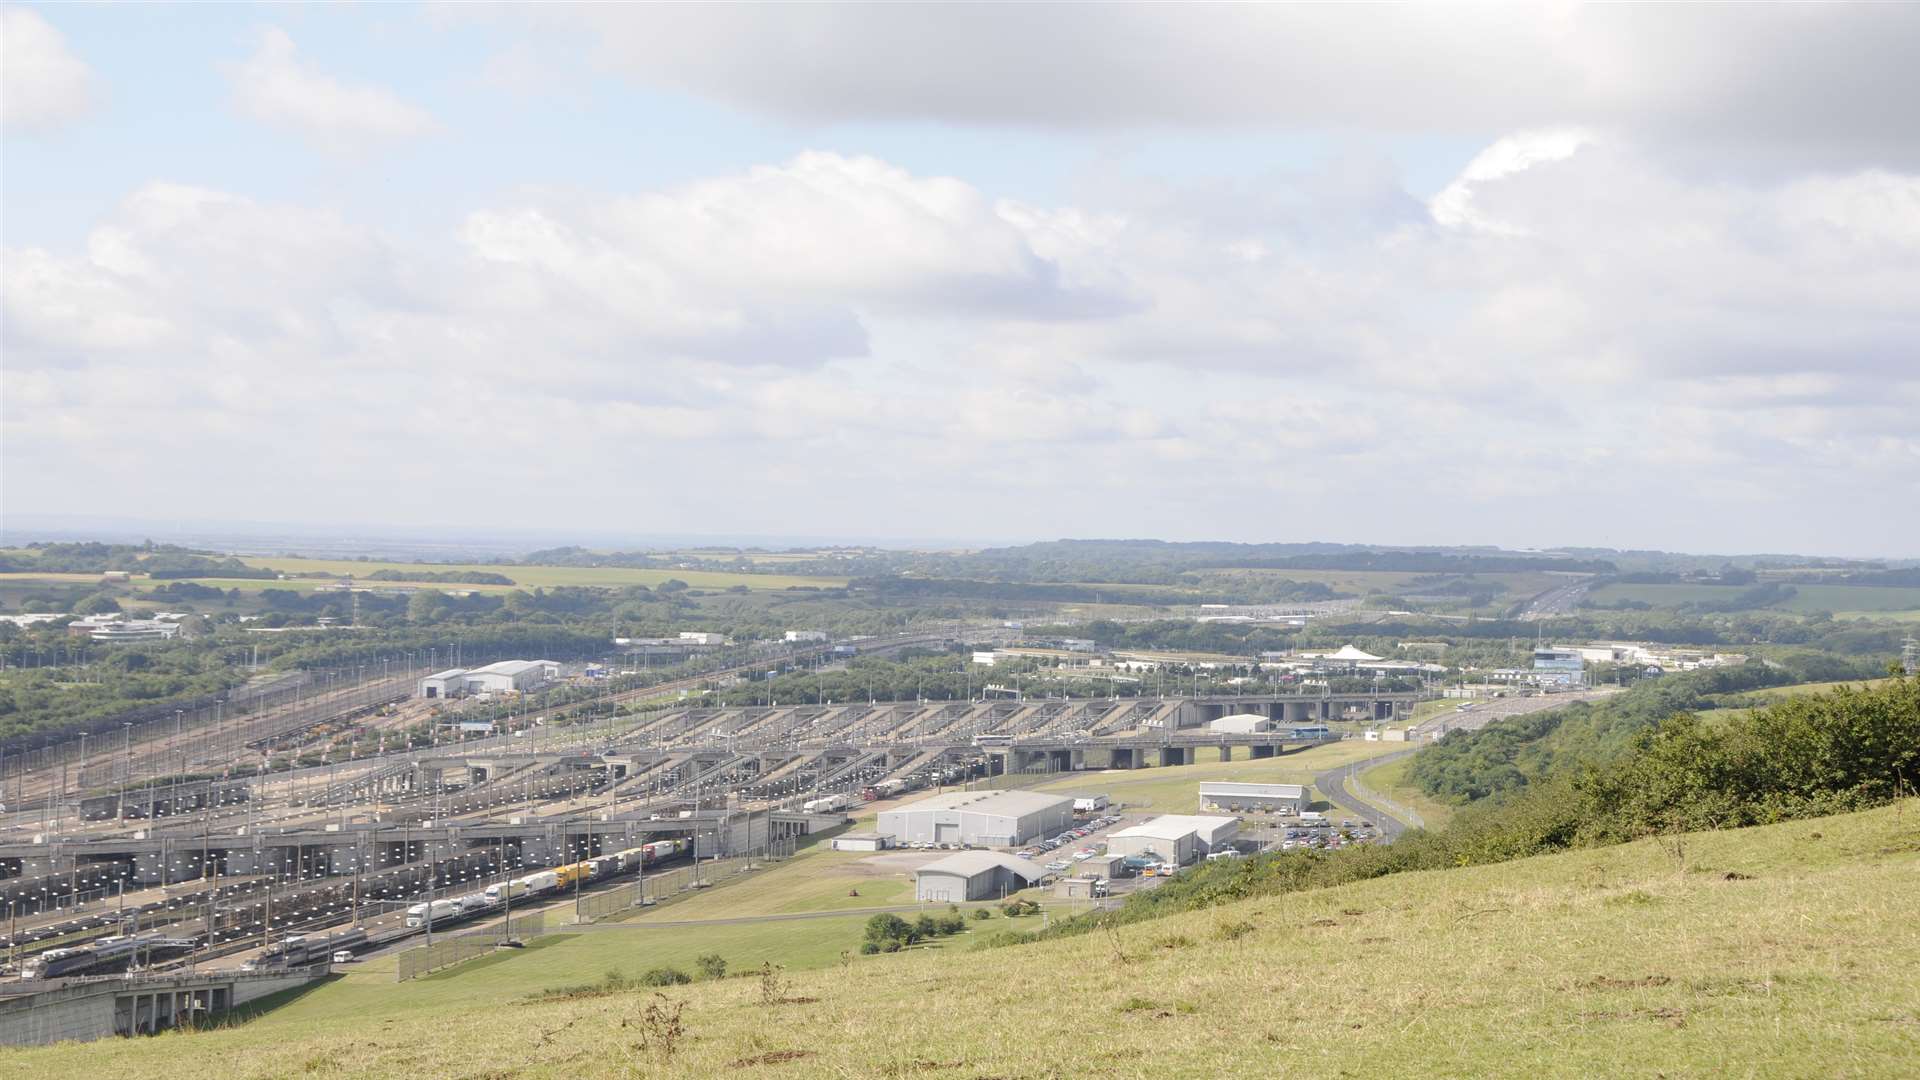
1065,839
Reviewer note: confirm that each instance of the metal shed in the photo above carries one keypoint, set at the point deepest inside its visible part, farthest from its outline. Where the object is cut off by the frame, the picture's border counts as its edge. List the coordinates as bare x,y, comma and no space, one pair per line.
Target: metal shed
973,875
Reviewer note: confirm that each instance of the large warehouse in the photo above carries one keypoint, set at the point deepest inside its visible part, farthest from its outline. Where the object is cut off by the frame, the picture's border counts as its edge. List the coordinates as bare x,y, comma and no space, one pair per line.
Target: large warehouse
973,875
502,677
1252,798
1175,838
978,818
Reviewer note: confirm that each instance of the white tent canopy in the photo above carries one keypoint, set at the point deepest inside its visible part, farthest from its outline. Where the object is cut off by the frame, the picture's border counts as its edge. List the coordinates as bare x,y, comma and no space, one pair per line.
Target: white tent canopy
1348,652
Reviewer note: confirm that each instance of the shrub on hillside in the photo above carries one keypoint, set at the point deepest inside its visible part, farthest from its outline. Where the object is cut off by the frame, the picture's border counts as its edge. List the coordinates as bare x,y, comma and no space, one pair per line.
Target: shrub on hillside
1838,752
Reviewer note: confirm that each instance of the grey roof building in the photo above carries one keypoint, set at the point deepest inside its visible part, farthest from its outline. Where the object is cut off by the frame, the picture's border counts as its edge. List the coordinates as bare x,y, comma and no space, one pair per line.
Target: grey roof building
973,875
1252,798
978,818
1175,838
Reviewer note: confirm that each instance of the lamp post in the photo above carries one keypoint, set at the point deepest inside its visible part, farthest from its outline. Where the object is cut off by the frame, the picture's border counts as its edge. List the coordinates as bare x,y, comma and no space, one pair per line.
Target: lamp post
127,753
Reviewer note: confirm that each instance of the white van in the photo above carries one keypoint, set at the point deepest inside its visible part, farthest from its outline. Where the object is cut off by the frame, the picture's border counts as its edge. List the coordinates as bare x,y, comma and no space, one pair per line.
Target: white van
344,956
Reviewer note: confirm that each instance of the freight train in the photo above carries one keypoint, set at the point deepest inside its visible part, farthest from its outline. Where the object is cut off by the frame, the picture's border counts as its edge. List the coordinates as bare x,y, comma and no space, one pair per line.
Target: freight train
544,882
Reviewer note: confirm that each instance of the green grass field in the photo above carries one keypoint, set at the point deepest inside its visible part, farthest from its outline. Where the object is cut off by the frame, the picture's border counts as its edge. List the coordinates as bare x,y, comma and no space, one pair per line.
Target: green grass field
1867,600
1790,950
817,879
1175,789
1741,704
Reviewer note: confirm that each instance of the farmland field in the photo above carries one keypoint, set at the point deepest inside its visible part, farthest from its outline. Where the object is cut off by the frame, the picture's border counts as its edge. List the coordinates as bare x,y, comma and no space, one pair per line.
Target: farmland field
529,577
1866,599
1519,585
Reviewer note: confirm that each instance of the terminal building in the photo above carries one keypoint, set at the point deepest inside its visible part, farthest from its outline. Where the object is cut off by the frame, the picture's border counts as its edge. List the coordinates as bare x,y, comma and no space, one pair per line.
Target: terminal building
1175,838
1221,796
978,818
973,875
1559,667
506,676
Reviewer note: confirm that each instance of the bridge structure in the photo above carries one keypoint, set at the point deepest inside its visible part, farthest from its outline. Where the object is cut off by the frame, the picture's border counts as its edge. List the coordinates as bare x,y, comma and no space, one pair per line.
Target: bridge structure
38,1012
729,778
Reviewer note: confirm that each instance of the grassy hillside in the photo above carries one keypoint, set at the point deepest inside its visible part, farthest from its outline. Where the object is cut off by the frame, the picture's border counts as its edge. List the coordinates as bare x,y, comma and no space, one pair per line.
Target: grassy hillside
1787,950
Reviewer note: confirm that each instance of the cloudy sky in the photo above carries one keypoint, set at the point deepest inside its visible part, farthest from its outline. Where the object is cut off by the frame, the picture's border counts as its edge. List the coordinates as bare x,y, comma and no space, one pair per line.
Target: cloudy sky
1533,275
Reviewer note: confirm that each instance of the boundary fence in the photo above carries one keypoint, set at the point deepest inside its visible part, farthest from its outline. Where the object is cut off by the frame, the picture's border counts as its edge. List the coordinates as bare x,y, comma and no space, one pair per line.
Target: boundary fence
680,882
1392,806
460,948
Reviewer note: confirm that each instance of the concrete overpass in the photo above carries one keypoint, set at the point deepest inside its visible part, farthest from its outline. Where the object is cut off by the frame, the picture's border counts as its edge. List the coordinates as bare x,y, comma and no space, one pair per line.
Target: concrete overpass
96,1007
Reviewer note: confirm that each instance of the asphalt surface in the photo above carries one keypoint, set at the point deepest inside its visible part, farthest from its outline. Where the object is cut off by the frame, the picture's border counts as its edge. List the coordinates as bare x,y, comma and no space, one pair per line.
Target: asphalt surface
1561,600
1333,784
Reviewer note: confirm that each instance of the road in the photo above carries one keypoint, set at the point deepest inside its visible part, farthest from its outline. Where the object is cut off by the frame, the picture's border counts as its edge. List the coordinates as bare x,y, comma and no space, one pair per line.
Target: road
1333,784
1476,714
1560,600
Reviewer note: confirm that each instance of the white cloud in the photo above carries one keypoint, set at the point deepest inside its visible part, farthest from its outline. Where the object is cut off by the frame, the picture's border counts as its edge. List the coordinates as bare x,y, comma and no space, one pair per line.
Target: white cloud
43,86
1800,82
1512,155
275,87
830,325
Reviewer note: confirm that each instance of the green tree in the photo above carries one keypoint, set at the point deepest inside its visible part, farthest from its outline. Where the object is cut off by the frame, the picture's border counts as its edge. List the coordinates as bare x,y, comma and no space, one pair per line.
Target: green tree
97,604
884,928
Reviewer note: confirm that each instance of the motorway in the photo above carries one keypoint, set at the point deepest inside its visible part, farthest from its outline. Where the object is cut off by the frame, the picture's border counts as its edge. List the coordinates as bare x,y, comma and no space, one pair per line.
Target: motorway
1557,601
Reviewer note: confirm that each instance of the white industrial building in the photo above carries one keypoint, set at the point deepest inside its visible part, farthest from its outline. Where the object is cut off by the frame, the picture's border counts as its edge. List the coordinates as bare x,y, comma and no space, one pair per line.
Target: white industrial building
505,676
860,841
1175,838
1241,724
978,818
973,875
702,638
794,636
1234,798
134,630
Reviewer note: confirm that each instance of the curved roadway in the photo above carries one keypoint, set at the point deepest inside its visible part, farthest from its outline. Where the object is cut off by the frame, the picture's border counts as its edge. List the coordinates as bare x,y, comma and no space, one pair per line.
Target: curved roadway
1333,784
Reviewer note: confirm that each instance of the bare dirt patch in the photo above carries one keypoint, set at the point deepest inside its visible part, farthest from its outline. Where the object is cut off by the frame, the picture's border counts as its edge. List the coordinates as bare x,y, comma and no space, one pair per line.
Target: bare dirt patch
771,1057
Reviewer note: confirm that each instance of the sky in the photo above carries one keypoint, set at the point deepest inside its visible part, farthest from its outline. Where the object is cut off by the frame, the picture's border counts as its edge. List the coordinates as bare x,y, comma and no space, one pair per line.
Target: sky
1530,275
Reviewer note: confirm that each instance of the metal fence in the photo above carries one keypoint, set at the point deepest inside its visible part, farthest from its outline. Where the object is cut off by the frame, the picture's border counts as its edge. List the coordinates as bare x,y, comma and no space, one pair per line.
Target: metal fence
1393,806
460,948
683,881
